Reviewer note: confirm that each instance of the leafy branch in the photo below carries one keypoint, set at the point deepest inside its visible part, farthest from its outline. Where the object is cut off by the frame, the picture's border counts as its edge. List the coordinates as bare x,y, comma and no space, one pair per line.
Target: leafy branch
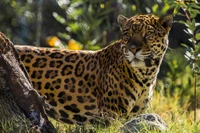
190,9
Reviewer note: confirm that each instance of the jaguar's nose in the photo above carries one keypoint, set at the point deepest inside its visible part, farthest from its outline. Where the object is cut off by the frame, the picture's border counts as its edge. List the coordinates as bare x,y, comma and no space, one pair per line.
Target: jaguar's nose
135,50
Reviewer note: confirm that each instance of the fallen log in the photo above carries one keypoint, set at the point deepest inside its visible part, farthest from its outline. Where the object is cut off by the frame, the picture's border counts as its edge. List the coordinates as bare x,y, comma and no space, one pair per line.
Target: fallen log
21,107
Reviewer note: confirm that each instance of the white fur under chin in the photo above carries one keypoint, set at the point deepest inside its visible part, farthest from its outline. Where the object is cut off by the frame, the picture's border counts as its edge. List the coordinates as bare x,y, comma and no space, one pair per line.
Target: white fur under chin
137,64
136,60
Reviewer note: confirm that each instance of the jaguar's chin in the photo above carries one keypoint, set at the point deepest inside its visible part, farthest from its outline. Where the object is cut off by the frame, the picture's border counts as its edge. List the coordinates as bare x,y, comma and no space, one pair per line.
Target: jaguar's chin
137,63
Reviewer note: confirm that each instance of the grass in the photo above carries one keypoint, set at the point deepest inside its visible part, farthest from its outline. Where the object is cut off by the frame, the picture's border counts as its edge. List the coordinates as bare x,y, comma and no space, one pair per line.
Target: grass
178,119
14,125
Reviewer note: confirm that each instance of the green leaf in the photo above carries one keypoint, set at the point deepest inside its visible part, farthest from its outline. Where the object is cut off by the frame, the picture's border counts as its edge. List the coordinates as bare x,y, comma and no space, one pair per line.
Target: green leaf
192,25
197,24
198,36
182,22
194,5
188,31
74,27
191,40
74,13
64,35
193,15
165,8
154,8
184,45
193,12
59,18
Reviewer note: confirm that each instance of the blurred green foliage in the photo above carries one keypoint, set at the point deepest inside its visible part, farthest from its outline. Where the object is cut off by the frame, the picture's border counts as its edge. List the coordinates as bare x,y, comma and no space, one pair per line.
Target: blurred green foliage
85,20
182,78
190,10
178,81
14,17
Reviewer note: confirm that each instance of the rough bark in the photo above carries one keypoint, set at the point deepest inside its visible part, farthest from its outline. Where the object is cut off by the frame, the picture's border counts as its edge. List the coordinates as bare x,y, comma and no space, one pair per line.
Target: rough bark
21,107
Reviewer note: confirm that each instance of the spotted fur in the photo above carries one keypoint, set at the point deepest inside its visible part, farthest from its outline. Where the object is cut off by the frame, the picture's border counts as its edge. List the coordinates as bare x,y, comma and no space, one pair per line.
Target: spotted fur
82,86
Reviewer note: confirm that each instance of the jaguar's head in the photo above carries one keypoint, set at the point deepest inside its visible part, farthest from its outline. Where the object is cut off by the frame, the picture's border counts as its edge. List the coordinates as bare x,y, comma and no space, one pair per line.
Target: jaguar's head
144,38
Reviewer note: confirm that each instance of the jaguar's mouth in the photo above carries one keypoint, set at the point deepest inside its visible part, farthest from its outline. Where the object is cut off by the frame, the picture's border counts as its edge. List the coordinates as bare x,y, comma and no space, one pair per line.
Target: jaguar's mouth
137,58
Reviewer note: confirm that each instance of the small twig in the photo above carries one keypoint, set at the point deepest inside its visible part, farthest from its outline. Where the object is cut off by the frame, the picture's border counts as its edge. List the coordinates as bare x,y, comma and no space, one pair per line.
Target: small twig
195,96
39,23
186,14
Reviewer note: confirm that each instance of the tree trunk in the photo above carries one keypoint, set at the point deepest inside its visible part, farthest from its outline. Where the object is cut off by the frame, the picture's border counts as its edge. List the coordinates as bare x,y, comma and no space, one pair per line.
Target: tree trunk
21,107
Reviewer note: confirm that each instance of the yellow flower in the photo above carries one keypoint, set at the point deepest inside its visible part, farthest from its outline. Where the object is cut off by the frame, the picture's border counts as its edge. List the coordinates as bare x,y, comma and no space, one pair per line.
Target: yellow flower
102,6
73,45
54,41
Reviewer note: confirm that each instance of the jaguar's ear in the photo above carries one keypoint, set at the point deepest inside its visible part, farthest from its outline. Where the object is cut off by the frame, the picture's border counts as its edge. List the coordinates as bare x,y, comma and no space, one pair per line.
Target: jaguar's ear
166,21
121,21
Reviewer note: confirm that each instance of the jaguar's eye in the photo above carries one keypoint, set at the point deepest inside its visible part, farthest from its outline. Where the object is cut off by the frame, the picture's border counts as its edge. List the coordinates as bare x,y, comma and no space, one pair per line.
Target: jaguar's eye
145,38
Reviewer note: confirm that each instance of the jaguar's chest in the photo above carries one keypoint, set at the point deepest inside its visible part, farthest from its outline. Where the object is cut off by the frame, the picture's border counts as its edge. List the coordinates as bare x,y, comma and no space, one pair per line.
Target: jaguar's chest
123,88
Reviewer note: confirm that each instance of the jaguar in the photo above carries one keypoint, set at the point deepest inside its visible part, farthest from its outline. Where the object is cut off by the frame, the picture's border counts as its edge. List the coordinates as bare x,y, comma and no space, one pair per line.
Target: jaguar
115,82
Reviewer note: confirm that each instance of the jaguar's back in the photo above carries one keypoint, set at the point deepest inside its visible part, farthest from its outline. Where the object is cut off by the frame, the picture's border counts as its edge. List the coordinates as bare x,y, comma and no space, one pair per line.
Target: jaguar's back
115,81
66,78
